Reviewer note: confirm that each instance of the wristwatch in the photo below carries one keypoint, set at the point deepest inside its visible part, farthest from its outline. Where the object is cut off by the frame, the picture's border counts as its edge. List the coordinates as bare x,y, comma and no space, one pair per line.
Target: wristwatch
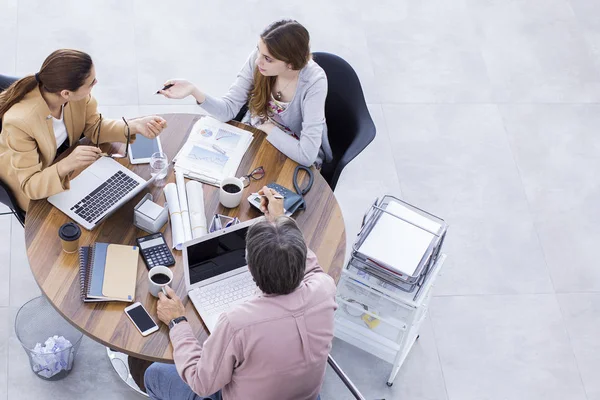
175,321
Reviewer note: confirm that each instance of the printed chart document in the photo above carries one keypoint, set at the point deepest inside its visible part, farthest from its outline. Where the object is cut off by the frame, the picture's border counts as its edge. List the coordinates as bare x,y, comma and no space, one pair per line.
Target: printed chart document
213,151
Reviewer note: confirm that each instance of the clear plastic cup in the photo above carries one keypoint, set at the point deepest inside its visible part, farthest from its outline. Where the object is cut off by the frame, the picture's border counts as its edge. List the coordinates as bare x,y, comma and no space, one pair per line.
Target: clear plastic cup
158,166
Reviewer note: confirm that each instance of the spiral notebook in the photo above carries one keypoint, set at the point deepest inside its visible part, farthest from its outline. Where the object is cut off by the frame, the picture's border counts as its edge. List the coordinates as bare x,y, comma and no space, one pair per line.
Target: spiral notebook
108,272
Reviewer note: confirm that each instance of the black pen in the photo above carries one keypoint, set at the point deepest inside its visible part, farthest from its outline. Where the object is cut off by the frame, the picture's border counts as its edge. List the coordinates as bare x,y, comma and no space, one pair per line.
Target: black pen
165,88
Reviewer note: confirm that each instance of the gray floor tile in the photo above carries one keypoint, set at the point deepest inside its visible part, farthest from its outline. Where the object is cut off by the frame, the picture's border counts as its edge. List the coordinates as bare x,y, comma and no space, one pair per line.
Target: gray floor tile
362,180
554,147
455,162
22,284
586,11
420,377
8,44
211,68
105,30
204,53
428,58
505,347
348,42
581,313
535,52
5,248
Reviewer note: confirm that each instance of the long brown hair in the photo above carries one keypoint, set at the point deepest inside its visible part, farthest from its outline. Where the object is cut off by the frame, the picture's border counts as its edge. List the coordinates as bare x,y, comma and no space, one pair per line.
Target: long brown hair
64,69
287,41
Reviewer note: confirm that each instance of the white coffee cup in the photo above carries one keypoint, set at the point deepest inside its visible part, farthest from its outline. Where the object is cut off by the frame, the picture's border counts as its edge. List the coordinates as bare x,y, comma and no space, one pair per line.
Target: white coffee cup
156,288
231,200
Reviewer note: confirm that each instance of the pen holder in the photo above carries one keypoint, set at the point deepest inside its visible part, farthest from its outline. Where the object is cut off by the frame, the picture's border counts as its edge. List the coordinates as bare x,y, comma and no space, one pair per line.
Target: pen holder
221,222
149,216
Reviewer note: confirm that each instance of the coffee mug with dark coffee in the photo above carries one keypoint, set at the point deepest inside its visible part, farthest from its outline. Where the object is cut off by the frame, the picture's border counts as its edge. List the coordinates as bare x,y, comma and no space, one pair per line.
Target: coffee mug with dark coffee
159,277
69,235
231,188
230,194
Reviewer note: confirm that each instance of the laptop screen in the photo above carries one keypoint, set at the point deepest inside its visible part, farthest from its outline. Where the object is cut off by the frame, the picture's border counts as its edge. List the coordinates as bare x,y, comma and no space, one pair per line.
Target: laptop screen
217,256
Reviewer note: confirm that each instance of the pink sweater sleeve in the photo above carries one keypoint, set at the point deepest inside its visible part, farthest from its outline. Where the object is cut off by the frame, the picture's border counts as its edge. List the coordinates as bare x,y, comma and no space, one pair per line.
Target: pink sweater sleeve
206,369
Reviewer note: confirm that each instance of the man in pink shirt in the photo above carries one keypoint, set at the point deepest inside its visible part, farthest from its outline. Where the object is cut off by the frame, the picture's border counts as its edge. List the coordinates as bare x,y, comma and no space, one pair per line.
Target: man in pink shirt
274,346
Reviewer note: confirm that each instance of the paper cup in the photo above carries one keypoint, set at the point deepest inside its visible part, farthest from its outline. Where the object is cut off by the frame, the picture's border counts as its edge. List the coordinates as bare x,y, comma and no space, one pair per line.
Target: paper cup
69,235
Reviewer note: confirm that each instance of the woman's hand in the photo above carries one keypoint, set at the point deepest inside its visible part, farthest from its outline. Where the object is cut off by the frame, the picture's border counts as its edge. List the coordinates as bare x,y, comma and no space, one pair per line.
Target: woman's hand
269,205
169,308
149,127
267,127
80,158
180,89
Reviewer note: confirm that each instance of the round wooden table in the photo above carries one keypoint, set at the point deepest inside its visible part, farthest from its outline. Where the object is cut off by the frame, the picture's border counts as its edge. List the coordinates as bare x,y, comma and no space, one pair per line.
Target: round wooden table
57,273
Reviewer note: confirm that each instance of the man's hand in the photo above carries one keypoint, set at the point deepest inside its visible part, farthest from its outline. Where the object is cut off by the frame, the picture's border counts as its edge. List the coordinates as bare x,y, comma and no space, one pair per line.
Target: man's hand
269,205
169,308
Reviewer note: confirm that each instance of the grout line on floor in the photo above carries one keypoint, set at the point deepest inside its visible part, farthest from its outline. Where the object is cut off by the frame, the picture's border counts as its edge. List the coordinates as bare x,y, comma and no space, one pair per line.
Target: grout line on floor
438,355
529,206
562,318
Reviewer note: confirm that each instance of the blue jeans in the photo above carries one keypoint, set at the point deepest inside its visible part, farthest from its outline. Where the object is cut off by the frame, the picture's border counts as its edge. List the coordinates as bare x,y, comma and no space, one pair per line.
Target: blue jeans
164,383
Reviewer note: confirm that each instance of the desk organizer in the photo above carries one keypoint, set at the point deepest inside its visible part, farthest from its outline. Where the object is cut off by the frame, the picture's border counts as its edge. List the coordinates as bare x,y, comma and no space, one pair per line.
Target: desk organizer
150,217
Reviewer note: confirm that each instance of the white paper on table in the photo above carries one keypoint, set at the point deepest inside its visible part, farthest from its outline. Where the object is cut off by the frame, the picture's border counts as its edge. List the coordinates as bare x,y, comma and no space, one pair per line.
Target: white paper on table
398,243
195,194
175,216
183,205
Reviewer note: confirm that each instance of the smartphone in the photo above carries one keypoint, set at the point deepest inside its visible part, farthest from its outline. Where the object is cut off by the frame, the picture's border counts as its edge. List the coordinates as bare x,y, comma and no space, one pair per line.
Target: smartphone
141,319
142,149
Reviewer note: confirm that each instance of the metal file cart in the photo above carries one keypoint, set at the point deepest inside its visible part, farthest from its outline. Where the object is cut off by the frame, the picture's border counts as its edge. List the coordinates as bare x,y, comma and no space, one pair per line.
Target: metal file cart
382,306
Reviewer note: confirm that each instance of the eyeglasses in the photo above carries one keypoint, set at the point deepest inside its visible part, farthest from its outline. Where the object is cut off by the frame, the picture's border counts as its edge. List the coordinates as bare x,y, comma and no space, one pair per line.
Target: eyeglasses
98,129
256,174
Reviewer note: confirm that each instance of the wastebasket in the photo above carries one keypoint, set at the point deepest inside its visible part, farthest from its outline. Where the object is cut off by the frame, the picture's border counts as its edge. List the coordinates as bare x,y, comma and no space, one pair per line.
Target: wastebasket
35,323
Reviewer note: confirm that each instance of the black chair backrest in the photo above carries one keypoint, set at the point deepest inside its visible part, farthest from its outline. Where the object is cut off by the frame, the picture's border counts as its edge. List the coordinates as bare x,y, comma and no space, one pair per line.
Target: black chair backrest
6,196
349,124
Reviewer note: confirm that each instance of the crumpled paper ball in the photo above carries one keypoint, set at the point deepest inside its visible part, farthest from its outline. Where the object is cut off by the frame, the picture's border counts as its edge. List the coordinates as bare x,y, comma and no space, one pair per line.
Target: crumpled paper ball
50,358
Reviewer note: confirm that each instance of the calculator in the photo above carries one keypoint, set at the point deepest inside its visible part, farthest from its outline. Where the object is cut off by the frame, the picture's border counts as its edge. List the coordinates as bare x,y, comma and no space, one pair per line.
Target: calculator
155,251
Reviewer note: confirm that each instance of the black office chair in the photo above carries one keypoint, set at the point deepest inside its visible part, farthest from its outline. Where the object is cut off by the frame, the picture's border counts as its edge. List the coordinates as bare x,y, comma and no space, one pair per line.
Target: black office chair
6,195
349,124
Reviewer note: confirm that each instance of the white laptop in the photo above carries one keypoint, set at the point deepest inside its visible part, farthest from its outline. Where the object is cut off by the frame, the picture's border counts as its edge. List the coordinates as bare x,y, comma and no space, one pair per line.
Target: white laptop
98,191
216,273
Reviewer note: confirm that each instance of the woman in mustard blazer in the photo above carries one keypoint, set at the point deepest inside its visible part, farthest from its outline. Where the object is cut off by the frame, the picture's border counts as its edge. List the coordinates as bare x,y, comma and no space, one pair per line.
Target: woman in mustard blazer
45,113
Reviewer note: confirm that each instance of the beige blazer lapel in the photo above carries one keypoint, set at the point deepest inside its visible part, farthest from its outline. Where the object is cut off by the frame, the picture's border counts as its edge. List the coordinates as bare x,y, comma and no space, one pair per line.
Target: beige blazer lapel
49,150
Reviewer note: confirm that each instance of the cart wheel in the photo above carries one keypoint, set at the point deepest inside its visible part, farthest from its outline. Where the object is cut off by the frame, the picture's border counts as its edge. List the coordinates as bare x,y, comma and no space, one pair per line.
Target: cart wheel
389,384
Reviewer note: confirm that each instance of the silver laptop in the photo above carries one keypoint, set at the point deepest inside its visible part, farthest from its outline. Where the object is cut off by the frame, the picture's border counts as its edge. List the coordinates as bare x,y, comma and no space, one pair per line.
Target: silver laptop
98,191
216,274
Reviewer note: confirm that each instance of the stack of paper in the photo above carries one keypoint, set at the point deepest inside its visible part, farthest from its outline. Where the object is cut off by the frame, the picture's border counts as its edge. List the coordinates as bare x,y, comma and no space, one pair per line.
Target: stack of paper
213,151
397,243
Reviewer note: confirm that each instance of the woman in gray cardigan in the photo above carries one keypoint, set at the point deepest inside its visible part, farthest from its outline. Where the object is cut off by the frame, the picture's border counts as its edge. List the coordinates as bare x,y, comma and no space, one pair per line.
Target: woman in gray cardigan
285,91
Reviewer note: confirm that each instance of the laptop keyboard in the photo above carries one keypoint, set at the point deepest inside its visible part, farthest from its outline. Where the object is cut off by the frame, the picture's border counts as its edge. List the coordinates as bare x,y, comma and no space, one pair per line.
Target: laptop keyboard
220,296
104,196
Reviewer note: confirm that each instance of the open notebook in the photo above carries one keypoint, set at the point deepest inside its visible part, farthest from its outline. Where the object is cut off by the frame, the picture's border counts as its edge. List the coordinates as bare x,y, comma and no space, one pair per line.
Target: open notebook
108,272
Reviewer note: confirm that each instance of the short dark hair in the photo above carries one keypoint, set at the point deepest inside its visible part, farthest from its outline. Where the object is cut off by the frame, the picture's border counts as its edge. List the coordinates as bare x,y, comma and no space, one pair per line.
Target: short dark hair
276,255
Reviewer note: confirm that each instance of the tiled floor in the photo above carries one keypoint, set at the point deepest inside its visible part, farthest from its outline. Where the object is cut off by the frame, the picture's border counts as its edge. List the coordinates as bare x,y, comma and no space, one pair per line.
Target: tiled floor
487,114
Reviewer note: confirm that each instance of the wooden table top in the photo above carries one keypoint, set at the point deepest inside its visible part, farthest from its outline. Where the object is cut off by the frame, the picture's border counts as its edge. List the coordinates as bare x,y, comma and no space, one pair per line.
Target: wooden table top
57,273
